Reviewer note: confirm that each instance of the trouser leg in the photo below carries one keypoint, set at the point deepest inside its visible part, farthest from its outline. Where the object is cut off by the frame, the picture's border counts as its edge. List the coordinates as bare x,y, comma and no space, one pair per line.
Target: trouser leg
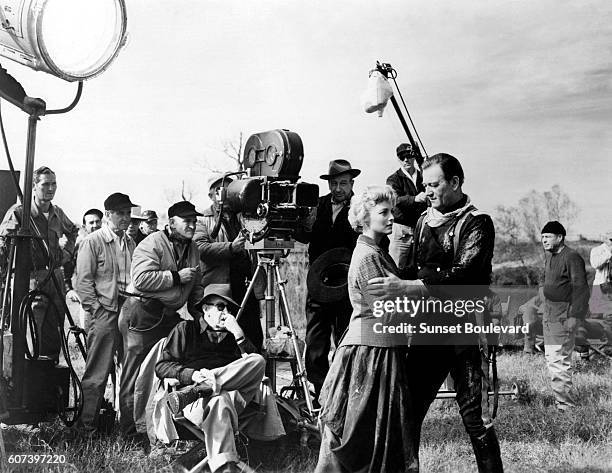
137,345
218,419
427,367
558,346
468,377
49,316
487,385
103,341
243,375
318,342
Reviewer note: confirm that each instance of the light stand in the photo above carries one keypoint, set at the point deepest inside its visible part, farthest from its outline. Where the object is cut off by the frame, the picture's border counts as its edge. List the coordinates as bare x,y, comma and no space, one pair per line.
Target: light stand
268,259
19,409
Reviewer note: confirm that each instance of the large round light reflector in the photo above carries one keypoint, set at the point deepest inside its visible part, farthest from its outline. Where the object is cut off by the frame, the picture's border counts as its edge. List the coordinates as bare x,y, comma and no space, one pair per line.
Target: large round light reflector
72,39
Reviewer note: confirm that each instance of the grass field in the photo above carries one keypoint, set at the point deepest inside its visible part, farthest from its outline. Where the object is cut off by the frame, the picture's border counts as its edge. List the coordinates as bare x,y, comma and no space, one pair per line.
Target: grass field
534,436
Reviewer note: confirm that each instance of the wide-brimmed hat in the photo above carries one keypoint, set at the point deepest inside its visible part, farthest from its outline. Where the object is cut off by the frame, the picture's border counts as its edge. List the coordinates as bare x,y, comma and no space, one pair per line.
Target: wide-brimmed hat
327,276
223,291
340,166
118,201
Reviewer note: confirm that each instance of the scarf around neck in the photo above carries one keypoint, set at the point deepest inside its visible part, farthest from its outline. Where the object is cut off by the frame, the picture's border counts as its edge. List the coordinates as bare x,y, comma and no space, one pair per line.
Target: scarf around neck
434,218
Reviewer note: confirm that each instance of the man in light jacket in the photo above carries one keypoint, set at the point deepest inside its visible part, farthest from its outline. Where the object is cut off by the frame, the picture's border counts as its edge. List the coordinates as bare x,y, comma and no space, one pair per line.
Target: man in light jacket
103,274
165,276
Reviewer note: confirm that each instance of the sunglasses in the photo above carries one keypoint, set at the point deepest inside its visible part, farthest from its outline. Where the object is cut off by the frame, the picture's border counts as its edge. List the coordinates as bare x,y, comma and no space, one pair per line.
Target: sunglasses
221,306
405,157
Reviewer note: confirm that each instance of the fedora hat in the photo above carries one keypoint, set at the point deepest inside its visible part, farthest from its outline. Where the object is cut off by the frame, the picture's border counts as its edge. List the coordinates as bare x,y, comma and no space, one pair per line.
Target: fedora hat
327,276
220,290
340,166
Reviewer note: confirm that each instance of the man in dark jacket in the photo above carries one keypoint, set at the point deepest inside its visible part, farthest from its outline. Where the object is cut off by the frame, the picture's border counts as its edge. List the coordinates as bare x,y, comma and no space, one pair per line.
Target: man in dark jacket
566,300
452,263
328,228
407,182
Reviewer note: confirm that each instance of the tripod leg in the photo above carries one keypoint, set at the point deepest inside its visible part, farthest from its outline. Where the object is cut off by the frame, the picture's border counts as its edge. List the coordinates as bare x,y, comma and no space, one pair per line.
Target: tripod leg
249,290
296,347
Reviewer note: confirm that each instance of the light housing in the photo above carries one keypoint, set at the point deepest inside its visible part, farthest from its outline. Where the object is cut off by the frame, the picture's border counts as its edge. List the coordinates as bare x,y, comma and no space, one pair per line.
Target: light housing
74,40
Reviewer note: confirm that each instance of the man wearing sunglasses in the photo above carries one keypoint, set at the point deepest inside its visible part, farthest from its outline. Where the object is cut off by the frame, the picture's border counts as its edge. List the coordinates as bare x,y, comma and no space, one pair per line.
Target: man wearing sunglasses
407,182
221,371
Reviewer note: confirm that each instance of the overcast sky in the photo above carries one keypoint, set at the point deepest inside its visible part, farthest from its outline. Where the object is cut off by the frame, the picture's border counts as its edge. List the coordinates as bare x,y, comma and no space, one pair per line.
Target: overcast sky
519,91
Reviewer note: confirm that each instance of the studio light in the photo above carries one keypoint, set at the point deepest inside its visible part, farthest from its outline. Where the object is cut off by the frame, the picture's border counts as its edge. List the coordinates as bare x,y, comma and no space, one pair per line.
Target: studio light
74,40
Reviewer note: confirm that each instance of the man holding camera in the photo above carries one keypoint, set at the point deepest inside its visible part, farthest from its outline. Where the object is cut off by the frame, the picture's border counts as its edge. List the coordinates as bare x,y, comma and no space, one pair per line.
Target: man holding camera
224,259
407,182
103,274
326,228
219,370
165,276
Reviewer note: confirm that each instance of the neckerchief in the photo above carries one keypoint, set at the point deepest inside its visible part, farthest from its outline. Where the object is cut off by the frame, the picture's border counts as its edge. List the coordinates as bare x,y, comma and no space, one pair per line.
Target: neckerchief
434,218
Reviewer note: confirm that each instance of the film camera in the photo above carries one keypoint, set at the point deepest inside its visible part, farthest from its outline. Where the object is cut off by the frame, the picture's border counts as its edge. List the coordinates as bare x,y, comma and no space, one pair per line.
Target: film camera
271,202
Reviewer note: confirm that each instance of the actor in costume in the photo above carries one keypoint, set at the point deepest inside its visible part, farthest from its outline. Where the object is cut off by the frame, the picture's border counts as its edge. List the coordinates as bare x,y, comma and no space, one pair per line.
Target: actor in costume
366,406
452,262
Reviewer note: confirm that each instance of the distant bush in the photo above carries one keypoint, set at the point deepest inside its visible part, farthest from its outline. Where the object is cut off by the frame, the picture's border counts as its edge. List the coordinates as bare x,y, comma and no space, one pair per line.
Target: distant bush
518,276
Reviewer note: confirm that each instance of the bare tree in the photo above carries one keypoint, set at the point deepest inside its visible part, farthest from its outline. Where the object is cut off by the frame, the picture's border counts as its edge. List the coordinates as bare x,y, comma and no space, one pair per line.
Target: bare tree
187,192
521,224
559,205
233,150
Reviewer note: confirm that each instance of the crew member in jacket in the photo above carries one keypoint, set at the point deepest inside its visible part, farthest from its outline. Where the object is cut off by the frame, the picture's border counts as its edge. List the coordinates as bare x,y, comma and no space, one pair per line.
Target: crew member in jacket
165,275
51,223
327,227
407,182
103,274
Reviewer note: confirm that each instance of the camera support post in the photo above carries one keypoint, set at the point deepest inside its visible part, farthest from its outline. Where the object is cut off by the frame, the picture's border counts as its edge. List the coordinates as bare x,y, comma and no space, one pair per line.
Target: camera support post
268,259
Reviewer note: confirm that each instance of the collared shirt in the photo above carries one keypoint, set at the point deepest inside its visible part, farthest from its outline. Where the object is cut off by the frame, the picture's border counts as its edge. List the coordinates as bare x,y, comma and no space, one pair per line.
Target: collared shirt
122,256
413,176
213,335
51,228
336,208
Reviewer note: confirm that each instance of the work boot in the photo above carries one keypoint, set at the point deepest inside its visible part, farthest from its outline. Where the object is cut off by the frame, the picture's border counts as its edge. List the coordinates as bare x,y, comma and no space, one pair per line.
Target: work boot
178,400
488,455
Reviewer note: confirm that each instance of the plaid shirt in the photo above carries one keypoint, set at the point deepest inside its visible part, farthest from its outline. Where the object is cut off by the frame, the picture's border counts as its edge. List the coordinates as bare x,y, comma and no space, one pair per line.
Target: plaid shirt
370,261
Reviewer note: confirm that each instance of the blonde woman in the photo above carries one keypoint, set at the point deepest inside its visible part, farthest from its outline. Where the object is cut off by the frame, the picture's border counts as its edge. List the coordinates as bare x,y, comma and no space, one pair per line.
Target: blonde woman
365,401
